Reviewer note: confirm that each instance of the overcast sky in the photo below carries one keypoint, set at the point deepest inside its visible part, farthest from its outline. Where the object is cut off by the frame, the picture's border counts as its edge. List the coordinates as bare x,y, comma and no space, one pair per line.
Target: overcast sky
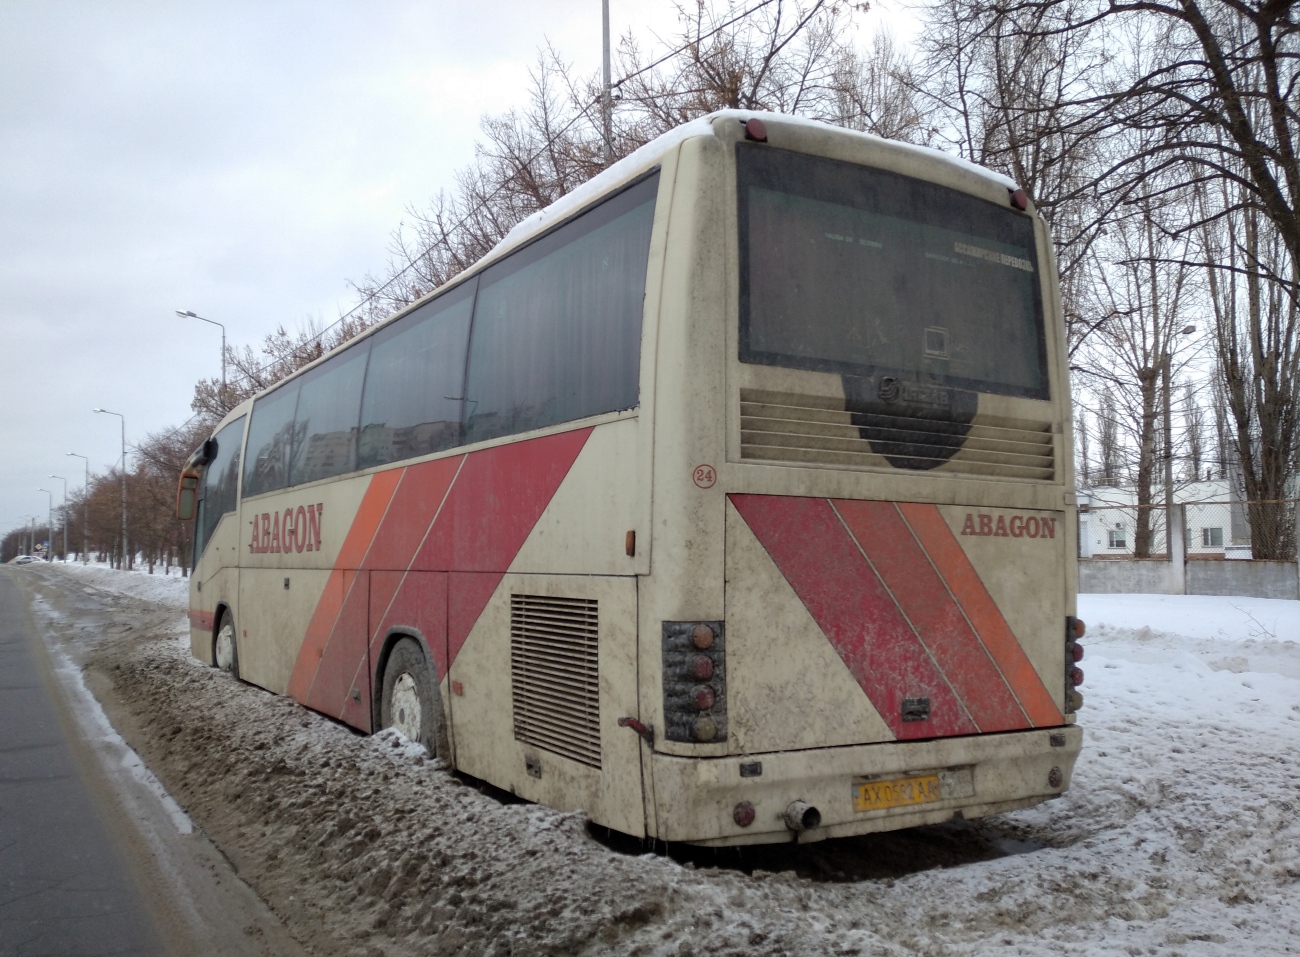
241,160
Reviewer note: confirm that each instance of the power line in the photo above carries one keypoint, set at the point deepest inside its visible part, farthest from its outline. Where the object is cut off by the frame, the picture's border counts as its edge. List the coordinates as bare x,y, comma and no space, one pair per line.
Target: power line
482,203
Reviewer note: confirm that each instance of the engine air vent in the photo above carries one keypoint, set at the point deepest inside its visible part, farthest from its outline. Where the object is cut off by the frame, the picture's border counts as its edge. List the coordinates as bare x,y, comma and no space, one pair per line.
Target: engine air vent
820,431
554,675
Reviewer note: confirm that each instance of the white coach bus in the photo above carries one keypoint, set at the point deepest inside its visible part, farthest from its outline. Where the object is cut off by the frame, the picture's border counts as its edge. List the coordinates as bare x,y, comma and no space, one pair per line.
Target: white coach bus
728,499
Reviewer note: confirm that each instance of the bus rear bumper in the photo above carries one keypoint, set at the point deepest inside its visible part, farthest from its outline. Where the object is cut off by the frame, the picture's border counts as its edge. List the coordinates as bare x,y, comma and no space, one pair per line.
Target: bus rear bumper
969,777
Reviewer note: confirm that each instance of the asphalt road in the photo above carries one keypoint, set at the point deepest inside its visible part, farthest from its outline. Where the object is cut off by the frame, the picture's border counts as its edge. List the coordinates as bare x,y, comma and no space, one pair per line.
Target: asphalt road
66,887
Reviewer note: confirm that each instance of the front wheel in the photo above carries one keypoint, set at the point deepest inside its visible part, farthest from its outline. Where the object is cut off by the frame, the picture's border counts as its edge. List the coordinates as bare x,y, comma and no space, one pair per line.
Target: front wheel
409,699
225,651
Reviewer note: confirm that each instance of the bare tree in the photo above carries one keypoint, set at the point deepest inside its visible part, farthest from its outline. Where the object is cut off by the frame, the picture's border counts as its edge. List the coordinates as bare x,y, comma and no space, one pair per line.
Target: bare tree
787,56
1257,334
1193,433
1005,80
1141,279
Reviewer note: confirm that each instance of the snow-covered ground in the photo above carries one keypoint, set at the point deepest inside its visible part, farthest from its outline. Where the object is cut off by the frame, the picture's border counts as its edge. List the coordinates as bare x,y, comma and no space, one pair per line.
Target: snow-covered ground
165,589
1179,836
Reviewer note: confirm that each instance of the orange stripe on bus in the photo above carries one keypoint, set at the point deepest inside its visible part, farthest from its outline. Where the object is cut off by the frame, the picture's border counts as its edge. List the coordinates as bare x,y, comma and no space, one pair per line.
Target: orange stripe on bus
938,540
355,545
912,580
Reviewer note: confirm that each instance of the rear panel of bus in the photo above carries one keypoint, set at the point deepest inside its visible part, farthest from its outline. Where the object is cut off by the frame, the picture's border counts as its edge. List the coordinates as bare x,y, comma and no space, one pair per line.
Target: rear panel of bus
885,560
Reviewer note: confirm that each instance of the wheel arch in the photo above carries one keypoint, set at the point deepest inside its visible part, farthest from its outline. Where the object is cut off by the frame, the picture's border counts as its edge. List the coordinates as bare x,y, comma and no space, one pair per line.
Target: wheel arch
391,637
219,613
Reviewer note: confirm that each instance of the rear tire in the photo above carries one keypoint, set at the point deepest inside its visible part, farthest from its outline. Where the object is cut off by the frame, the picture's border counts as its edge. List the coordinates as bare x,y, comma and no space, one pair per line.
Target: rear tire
409,698
225,649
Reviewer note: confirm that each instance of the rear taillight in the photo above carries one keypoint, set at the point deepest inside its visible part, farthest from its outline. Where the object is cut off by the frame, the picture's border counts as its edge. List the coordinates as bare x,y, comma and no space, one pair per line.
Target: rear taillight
1074,630
695,685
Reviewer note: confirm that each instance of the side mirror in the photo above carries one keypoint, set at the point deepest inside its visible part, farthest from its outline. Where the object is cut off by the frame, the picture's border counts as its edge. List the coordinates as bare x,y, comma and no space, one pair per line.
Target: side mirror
187,494
187,497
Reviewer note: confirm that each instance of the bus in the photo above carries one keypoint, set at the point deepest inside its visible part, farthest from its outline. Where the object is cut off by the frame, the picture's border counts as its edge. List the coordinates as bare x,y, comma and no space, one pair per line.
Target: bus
729,500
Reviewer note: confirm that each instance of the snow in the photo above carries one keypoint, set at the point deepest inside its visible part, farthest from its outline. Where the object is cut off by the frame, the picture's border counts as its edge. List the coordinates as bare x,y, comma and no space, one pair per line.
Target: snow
1179,835
645,157
164,589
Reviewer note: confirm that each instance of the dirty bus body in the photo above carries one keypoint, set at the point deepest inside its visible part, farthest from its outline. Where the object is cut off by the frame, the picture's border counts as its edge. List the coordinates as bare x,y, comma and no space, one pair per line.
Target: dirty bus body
727,499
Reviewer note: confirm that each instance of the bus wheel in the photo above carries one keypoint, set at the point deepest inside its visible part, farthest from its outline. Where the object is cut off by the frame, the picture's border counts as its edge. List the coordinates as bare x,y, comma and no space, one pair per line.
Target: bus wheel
225,653
409,701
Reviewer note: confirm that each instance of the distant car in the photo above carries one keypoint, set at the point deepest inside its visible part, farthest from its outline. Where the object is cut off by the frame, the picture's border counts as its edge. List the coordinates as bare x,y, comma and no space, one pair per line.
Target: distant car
24,560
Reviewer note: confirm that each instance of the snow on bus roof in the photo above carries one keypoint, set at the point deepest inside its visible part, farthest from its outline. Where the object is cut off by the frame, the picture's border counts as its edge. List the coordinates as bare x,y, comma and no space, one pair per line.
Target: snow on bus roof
644,158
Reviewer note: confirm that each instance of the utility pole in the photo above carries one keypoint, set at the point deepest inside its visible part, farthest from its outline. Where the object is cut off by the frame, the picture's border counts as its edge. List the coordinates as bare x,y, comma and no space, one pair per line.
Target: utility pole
607,95
85,511
125,562
63,514
49,526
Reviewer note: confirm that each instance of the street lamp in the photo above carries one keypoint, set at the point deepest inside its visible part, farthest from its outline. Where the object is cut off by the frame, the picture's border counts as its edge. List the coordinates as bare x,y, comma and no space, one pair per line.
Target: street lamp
125,562
85,511
63,514
194,315
49,525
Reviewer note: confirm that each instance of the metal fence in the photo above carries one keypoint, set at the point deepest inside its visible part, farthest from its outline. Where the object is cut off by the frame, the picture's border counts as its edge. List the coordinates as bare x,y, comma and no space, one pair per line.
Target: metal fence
1211,531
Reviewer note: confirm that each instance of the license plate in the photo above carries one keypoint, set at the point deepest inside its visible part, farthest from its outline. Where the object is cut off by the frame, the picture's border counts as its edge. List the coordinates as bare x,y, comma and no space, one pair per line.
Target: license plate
900,792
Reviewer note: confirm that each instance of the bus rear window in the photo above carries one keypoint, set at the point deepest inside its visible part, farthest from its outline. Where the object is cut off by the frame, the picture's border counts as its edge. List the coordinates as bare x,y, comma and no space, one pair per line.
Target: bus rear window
864,272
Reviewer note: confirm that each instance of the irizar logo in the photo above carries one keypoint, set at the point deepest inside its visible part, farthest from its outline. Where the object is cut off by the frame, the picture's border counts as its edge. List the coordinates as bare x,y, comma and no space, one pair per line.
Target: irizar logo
293,530
892,389
1018,526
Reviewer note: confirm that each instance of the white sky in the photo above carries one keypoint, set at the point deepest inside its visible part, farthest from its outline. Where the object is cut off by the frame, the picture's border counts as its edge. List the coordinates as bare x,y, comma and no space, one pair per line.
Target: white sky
241,160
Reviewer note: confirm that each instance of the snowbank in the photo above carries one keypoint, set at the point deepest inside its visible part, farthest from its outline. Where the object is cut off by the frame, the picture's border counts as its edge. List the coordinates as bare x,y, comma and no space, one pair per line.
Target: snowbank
138,583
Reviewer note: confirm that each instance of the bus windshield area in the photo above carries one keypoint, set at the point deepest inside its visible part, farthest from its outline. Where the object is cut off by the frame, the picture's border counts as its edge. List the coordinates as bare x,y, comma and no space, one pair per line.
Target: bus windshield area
864,272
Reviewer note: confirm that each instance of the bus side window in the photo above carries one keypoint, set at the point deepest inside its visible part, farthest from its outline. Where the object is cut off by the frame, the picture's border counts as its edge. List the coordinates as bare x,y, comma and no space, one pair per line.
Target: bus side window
556,334
270,441
415,382
325,423
220,484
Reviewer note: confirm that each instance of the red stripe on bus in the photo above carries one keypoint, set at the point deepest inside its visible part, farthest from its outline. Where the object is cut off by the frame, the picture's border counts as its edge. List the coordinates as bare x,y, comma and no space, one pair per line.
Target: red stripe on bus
414,506
311,654
496,500
826,569
344,658
921,594
982,611
410,600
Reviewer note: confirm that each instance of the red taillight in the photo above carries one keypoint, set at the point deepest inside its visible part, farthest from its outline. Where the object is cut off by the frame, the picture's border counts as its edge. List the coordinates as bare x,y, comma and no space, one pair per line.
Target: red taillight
756,130
1074,630
702,667
743,814
1019,199
695,681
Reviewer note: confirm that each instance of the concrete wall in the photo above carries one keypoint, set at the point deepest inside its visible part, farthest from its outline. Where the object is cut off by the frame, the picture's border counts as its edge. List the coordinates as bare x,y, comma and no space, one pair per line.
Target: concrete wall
1247,579
1252,579
1127,576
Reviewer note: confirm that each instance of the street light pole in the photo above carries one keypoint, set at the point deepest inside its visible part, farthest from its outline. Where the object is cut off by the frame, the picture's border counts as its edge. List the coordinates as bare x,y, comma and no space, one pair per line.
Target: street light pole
607,95
49,524
85,511
187,314
63,513
125,562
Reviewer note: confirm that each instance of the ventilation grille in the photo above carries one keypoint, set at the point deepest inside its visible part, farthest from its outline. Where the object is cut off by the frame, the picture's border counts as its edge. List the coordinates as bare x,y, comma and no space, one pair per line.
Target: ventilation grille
818,431
554,675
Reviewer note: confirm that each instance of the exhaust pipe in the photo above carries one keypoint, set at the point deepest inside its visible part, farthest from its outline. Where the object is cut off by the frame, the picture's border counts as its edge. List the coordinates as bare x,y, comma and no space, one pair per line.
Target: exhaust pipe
801,816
